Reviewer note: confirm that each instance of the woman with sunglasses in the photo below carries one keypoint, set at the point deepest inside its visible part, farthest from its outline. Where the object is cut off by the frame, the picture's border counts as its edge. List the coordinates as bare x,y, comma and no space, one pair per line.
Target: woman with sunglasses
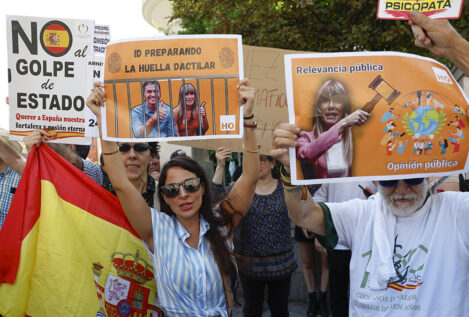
137,158
189,243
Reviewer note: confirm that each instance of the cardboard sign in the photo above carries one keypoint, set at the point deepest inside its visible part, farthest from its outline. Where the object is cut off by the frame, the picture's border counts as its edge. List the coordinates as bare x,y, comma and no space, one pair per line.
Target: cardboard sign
48,61
417,123
265,70
173,88
435,9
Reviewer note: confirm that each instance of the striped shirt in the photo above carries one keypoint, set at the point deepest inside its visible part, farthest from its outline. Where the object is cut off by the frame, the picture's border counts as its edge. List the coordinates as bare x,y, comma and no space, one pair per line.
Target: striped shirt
93,171
188,280
8,181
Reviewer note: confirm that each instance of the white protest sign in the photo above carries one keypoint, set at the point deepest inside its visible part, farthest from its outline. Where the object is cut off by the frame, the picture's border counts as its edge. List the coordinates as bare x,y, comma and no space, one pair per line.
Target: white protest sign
102,36
97,69
435,9
48,62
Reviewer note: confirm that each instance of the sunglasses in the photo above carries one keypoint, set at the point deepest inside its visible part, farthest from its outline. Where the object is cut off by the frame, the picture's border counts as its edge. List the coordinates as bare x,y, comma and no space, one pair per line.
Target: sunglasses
138,147
409,182
191,185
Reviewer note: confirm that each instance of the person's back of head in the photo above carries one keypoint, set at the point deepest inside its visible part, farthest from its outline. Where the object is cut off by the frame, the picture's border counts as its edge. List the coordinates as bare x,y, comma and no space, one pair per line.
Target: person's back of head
67,153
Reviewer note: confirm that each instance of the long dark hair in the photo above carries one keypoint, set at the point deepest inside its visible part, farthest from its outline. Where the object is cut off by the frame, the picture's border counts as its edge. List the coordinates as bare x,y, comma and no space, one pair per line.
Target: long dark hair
221,252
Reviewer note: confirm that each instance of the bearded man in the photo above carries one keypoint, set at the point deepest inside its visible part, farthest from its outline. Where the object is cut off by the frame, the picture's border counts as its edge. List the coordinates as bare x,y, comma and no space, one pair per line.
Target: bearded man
410,245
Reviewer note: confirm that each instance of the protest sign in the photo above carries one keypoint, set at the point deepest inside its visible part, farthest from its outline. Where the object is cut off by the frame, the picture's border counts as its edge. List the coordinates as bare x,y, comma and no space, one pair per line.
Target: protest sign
102,36
174,87
416,125
436,9
48,62
264,68
97,69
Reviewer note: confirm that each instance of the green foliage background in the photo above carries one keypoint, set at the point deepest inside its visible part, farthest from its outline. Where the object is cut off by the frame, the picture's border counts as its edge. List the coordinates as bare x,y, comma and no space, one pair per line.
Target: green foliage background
308,25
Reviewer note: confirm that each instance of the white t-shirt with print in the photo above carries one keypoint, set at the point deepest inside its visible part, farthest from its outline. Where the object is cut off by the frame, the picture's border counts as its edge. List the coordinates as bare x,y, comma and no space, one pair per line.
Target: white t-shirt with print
431,256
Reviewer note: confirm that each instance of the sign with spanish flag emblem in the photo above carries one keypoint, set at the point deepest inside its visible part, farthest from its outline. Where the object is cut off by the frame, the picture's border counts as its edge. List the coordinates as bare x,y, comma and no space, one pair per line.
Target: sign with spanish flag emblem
56,38
67,248
49,76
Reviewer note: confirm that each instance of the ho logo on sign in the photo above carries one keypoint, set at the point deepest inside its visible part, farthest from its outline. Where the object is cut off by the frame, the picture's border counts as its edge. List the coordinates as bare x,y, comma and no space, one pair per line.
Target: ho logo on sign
228,123
56,38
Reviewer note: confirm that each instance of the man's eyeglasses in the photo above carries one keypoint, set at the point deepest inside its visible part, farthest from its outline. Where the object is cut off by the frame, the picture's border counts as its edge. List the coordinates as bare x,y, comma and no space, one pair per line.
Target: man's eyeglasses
409,182
191,185
138,147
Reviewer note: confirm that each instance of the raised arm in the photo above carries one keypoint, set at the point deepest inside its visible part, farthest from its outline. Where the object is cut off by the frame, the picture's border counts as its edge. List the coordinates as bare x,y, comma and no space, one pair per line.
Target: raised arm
240,197
441,39
222,154
11,157
135,207
305,213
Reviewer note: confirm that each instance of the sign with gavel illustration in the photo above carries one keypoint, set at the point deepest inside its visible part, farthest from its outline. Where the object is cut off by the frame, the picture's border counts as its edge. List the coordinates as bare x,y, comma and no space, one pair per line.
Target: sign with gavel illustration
383,90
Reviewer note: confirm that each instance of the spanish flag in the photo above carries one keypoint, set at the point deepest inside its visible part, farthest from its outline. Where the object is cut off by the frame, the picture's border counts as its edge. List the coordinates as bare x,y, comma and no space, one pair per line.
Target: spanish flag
67,248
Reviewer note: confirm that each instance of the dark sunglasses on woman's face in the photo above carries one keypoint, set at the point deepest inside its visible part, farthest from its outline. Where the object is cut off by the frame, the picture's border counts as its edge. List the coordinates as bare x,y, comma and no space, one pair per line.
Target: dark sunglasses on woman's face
138,147
409,182
191,185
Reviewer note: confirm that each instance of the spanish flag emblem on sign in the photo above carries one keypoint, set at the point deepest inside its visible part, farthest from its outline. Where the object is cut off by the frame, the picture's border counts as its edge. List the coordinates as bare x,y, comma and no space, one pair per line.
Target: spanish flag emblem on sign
56,38
67,248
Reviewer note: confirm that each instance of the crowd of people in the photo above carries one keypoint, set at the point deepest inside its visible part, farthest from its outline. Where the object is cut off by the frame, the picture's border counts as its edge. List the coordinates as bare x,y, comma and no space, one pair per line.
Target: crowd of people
372,238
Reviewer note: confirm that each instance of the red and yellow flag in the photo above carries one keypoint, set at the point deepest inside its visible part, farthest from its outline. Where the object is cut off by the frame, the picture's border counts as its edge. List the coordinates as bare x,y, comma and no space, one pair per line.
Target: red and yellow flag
67,248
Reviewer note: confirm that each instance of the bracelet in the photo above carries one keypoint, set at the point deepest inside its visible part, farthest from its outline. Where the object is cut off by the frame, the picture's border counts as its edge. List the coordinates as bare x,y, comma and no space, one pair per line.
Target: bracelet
111,153
292,189
250,125
249,151
285,179
249,117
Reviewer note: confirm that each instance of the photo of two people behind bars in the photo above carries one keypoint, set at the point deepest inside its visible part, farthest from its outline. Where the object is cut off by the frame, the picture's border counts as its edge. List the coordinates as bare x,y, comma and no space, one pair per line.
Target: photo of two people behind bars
154,118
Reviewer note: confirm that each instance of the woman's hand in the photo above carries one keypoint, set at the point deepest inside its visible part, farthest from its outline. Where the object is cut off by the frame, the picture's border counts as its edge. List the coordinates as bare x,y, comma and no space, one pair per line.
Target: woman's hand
35,138
284,136
356,118
96,100
222,154
246,96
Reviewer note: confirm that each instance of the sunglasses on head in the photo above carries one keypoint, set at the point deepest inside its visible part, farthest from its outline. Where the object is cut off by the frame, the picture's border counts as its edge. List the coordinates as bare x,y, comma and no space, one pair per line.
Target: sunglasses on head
191,185
138,147
409,182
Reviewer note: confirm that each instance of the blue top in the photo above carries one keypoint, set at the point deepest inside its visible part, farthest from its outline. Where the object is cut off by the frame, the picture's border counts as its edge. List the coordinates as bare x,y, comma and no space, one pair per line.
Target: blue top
188,280
9,180
165,124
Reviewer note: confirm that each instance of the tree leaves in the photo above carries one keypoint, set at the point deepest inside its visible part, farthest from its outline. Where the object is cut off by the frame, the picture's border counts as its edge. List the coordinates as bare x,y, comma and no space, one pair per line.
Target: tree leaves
308,25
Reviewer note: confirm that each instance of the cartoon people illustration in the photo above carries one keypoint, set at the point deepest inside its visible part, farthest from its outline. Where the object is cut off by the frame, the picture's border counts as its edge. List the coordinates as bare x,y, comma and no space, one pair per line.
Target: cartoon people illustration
401,146
428,98
388,115
390,147
458,133
389,126
443,145
456,144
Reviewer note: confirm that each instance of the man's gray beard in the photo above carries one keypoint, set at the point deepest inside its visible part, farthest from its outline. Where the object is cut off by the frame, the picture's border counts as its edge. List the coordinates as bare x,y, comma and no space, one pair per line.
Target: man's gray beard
405,209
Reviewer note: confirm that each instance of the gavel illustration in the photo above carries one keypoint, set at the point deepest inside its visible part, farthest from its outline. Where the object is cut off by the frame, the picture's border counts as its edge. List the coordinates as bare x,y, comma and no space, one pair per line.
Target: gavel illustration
383,90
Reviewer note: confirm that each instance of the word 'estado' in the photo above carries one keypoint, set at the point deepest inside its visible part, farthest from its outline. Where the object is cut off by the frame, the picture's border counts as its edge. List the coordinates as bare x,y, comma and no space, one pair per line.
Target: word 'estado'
142,68
51,102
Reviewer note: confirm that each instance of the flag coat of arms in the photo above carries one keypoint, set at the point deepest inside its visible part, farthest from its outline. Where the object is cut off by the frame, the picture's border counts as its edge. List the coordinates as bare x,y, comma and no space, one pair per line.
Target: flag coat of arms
67,248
